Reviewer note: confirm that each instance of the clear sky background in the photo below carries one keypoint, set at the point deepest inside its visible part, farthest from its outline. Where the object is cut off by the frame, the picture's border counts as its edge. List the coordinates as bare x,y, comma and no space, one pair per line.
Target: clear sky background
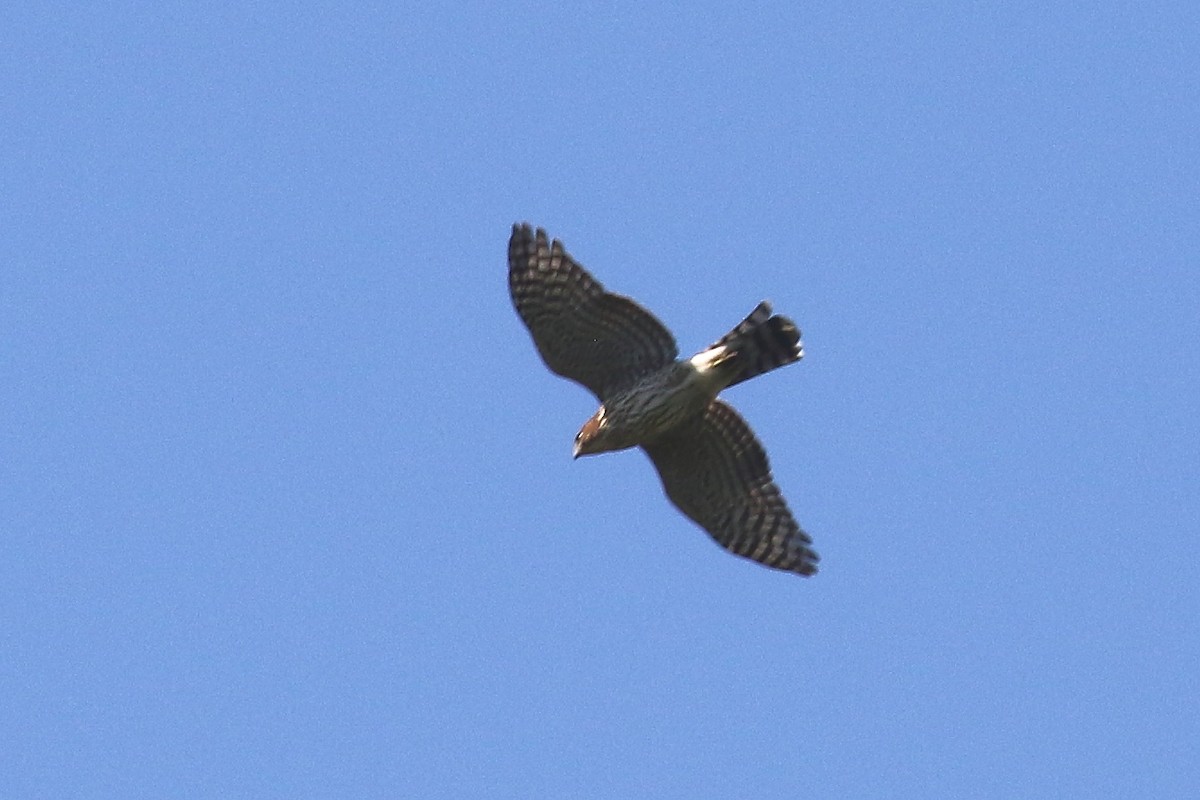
287,507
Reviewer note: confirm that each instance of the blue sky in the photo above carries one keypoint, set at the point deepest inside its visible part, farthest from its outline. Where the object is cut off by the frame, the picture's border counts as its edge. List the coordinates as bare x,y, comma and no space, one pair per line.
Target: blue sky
287,507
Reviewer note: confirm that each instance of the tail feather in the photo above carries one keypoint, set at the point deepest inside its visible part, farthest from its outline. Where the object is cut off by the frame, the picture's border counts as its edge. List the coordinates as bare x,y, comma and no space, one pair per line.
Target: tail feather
760,343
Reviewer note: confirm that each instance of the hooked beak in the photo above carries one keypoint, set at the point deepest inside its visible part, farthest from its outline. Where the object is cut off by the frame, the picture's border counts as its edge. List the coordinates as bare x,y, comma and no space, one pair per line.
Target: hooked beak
575,452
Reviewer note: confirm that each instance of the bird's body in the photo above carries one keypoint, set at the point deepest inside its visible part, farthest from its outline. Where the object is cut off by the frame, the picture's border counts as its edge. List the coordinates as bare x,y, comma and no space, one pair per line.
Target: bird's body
711,465
648,409
660,401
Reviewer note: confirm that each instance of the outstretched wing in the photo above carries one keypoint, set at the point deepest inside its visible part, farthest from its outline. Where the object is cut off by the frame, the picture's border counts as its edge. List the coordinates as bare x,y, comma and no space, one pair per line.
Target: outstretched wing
602,340
717,473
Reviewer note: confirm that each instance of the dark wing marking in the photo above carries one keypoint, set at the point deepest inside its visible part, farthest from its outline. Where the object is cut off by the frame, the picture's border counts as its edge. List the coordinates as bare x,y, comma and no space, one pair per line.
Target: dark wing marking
717,473
602,340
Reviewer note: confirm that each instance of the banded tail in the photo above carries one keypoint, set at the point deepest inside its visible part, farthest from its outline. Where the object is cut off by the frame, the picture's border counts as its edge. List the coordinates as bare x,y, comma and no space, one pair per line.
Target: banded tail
760,343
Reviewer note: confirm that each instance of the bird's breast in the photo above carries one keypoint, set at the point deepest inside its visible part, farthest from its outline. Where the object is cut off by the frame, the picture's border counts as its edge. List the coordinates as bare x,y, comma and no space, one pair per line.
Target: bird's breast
659,402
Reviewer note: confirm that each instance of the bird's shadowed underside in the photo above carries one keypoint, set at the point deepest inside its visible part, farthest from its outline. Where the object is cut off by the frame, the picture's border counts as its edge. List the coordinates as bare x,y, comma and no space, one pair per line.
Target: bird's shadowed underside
711,465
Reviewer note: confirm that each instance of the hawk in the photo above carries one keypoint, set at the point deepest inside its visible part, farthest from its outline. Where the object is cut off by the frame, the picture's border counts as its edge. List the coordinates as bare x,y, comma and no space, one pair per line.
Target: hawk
711,465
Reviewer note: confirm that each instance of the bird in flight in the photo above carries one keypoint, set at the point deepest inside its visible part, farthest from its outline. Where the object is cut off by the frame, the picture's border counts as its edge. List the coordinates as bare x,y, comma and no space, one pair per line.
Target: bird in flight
711,465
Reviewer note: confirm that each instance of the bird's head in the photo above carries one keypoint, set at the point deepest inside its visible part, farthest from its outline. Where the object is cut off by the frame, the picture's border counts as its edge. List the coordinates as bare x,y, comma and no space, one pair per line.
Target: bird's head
590,438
